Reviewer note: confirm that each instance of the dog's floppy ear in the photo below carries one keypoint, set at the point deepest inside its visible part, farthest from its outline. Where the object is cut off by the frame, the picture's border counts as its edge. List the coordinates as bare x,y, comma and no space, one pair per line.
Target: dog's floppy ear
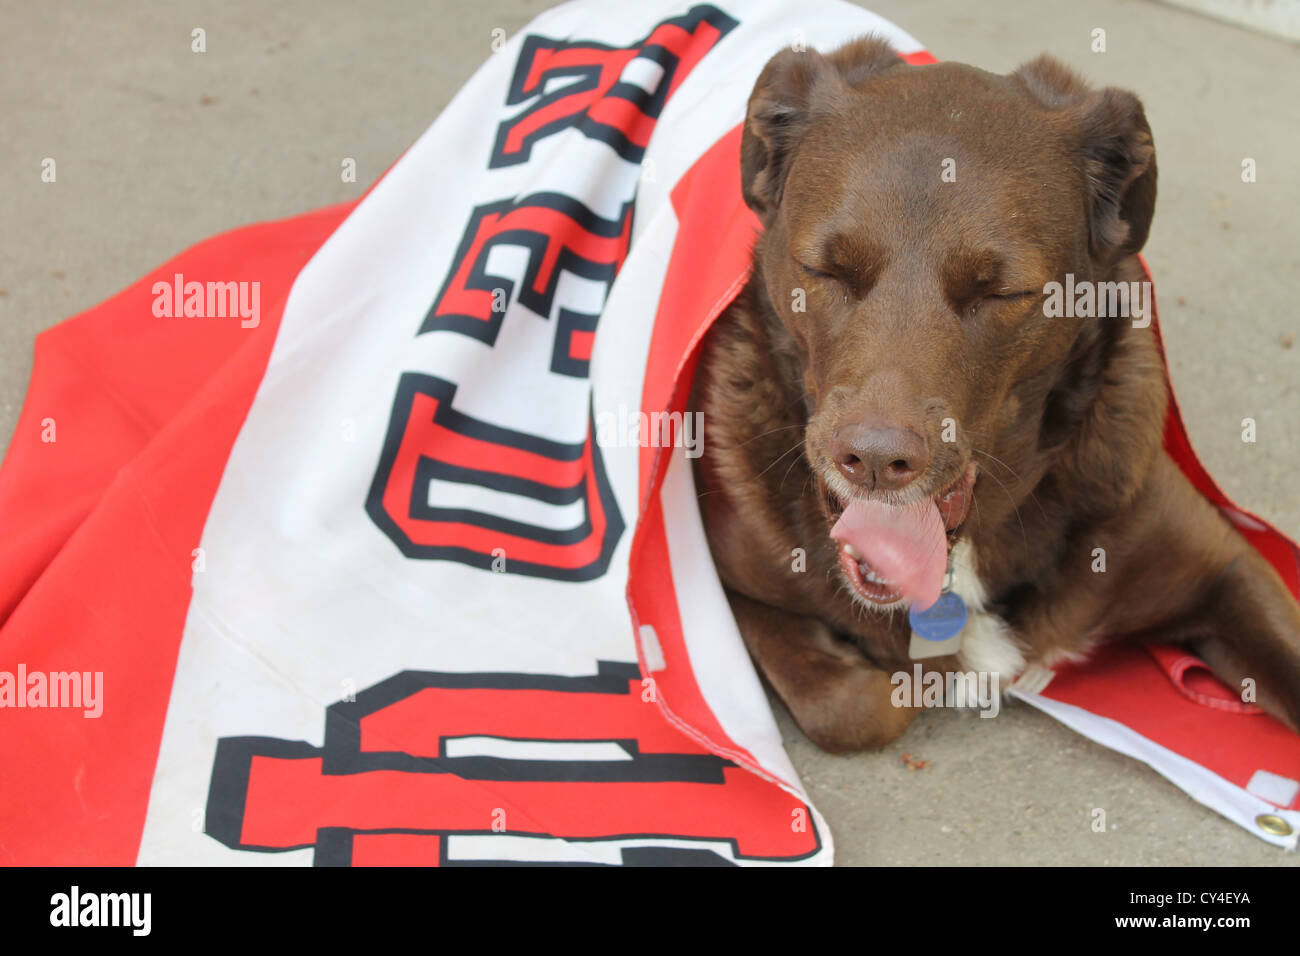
1119,156
783,102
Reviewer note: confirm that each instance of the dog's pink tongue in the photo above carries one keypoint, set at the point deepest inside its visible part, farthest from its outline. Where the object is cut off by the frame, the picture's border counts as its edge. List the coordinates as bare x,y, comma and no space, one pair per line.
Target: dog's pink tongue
904,545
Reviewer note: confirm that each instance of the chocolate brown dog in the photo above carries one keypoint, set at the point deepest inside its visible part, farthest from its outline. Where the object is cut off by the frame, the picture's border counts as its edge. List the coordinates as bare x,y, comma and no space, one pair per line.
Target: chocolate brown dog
891,394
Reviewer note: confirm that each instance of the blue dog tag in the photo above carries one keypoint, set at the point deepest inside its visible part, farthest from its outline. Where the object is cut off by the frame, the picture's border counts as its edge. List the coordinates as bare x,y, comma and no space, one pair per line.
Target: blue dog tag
942,620
936,631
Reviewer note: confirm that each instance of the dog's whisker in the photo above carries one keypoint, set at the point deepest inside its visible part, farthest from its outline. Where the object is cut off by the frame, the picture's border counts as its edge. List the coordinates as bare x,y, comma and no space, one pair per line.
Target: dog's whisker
771,431
1016,475
756,477
979,451
794,461
1023,534
795,446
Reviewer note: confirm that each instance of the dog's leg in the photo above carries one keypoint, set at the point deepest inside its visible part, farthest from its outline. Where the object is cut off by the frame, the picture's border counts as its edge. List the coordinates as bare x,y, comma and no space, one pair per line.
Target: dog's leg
836,696
1178,572
1250,635
1240,620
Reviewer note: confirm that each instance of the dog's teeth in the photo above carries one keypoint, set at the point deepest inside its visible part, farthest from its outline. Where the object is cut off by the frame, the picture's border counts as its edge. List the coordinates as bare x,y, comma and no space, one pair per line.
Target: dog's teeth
852,552
874,578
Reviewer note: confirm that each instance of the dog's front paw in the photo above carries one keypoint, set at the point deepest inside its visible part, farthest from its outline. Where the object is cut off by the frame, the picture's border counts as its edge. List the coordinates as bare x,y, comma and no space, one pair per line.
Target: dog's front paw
836,695
850,709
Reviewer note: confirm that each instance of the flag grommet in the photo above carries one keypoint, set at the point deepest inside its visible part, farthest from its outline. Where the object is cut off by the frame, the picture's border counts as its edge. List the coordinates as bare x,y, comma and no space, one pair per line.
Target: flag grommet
1273,824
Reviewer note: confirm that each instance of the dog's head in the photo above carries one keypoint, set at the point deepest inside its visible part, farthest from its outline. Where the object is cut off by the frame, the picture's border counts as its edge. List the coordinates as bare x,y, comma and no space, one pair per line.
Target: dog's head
914,217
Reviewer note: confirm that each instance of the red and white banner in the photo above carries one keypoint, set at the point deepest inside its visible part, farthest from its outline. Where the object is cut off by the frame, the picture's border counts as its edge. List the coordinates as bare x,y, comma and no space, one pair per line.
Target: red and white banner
350,530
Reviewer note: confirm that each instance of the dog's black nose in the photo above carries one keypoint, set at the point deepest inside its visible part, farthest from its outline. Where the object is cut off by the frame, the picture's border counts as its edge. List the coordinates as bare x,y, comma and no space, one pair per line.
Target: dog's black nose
879,457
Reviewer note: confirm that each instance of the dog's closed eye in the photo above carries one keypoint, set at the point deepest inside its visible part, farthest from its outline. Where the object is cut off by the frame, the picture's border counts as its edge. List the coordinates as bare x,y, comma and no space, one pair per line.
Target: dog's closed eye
990,284
817,273
996,298
847,281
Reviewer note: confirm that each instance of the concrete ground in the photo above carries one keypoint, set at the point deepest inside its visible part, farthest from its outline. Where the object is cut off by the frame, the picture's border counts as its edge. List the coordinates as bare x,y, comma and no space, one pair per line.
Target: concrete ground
157,148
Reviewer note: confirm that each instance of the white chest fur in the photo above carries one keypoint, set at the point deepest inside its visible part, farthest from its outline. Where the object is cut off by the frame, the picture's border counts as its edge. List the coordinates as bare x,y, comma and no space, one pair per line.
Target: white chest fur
987,644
